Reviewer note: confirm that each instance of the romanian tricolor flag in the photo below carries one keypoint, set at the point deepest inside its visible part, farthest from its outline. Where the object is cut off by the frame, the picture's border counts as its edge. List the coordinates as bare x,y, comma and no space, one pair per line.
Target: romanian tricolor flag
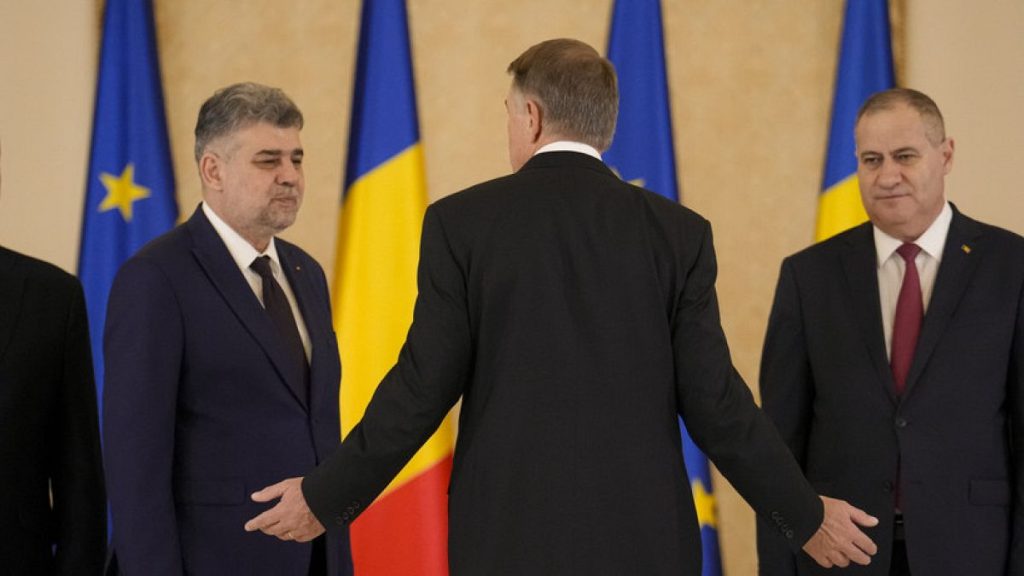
865,67
129,192
643,153
406,530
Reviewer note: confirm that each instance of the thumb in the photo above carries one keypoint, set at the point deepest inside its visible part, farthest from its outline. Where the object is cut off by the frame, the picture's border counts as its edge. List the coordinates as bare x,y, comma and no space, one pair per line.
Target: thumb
269,493
862,518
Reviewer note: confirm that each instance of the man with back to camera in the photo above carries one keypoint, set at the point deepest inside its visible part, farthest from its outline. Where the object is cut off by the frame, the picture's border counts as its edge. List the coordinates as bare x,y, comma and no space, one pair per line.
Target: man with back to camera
576,317
222,365
892,363
52,515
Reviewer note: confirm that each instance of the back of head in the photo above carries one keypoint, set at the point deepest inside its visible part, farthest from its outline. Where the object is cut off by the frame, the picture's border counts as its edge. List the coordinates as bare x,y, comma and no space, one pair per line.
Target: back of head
242,105
888,99
574,86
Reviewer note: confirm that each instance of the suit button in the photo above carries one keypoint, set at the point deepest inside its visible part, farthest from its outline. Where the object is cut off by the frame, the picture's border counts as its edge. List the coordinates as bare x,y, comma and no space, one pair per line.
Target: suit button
901,423
339,521
887,486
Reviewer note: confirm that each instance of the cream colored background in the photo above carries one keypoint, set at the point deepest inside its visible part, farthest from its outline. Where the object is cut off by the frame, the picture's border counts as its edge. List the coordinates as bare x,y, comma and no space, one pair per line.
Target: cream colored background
752,86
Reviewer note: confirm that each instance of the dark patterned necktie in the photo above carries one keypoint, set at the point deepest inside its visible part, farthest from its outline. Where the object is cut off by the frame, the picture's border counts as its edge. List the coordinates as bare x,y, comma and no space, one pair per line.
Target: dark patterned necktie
280,312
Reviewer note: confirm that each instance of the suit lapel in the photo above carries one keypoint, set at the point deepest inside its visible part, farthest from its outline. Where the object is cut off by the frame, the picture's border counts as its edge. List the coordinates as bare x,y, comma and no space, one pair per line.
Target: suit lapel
860,266
313,314
216,261
955,271
12,287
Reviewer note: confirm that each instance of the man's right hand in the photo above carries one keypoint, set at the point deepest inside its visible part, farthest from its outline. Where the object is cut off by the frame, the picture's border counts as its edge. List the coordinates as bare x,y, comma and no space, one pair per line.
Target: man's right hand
839,540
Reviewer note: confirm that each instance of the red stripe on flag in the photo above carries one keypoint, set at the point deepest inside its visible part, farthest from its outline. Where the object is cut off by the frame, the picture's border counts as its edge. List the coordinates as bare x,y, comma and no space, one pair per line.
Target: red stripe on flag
406,531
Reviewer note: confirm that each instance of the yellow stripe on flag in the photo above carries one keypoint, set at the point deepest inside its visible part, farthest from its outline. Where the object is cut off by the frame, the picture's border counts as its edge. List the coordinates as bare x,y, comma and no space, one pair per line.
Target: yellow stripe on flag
375,288
839,209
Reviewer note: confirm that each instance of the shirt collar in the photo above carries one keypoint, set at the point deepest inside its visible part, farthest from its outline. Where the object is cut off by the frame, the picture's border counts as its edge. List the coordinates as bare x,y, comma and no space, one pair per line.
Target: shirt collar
241,251
569,146
932,242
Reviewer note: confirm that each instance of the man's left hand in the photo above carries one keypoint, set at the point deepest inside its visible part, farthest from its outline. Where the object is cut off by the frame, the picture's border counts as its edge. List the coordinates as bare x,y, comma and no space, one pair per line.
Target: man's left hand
291,518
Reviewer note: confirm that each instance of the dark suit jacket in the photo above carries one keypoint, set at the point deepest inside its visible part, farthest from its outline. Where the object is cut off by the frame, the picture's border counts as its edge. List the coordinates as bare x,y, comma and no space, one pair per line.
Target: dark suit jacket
48,431
576,316
955,437
197,412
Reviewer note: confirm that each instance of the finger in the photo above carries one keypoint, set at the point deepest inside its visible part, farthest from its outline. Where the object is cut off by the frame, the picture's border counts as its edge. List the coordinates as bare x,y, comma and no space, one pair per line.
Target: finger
839,559
854,554
269,493
862,518
261,522
863,542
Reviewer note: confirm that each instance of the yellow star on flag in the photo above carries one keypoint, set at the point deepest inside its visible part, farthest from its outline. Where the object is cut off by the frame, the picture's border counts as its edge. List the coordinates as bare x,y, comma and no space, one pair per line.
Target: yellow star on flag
122,191
705,504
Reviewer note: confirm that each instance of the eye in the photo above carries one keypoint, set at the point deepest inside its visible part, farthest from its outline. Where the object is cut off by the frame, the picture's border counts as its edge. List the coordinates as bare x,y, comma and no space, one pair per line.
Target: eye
905,157
871,161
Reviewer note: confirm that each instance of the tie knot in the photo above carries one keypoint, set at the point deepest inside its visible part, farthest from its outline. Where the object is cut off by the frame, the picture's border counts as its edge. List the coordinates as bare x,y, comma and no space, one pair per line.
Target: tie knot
908,252
261,265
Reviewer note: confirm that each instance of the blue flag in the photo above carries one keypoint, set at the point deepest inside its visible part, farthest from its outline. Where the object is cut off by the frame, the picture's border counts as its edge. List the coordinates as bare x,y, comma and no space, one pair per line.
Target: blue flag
642,153
865,67
129,196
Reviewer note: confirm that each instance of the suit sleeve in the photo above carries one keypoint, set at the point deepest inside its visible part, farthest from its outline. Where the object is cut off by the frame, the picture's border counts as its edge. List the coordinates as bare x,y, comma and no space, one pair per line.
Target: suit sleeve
1015,385
721,415
786,395
142,348
79,502
412,399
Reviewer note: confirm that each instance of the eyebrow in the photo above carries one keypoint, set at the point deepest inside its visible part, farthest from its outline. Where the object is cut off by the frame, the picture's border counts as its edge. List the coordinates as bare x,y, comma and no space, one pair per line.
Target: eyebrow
279,152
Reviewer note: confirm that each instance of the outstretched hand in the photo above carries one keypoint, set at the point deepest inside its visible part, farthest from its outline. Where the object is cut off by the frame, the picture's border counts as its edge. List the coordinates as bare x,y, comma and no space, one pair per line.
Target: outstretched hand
839,540
291,518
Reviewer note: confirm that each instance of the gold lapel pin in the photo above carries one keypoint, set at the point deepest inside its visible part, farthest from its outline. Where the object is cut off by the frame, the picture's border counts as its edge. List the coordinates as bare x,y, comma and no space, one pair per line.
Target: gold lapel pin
965,248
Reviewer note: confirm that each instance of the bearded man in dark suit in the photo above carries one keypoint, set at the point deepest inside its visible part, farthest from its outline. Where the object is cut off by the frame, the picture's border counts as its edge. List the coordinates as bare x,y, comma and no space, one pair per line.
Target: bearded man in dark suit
222,368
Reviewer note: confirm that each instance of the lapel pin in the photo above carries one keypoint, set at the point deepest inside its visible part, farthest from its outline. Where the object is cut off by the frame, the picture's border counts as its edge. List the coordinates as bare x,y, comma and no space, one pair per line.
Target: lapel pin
965,248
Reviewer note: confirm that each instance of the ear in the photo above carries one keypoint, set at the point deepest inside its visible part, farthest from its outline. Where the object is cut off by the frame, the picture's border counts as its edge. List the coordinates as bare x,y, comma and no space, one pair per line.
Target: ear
211,171
947,155
536,124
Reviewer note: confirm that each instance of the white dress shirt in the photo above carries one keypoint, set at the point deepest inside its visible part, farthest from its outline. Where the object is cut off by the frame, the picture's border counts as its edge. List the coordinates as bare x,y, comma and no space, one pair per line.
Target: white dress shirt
244,254
891,267
569,146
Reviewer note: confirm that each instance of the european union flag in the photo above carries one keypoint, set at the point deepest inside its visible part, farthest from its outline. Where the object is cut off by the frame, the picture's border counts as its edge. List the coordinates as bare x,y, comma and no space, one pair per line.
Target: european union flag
642,152
129,195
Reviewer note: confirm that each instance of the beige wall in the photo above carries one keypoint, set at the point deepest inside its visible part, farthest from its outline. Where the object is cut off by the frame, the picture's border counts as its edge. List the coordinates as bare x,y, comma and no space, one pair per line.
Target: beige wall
751,94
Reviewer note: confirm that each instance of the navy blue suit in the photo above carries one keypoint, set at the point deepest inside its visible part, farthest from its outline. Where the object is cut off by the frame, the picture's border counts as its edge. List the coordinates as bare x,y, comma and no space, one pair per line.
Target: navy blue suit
198,412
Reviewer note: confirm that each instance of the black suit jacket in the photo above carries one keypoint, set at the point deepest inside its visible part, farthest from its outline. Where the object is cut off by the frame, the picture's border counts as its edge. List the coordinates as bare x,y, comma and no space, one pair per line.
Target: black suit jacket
199,411
576,316
955,437
48,431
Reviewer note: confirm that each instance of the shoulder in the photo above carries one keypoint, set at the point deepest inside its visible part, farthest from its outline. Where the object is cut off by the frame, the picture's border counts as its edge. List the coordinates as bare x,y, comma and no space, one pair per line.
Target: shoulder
38,273
859,237
295,255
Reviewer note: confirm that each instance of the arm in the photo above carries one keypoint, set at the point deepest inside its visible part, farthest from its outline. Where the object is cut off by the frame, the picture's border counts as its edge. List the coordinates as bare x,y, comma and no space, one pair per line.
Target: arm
142,349
408,405
79,502
721,415
786,396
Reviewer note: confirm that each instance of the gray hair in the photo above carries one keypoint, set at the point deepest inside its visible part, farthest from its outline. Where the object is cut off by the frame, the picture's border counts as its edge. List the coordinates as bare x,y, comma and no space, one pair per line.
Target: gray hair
935,126
574,85
242,105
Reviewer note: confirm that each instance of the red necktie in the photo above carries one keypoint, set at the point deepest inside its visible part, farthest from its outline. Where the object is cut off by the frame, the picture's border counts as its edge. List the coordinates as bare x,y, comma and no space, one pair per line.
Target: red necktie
906,323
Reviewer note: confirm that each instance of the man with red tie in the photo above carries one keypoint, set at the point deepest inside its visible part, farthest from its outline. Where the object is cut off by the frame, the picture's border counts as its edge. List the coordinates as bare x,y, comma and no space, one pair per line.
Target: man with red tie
894,362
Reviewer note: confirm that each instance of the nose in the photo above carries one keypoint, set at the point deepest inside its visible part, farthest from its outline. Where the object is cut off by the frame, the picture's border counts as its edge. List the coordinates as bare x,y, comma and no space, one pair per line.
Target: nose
289,173
889,174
